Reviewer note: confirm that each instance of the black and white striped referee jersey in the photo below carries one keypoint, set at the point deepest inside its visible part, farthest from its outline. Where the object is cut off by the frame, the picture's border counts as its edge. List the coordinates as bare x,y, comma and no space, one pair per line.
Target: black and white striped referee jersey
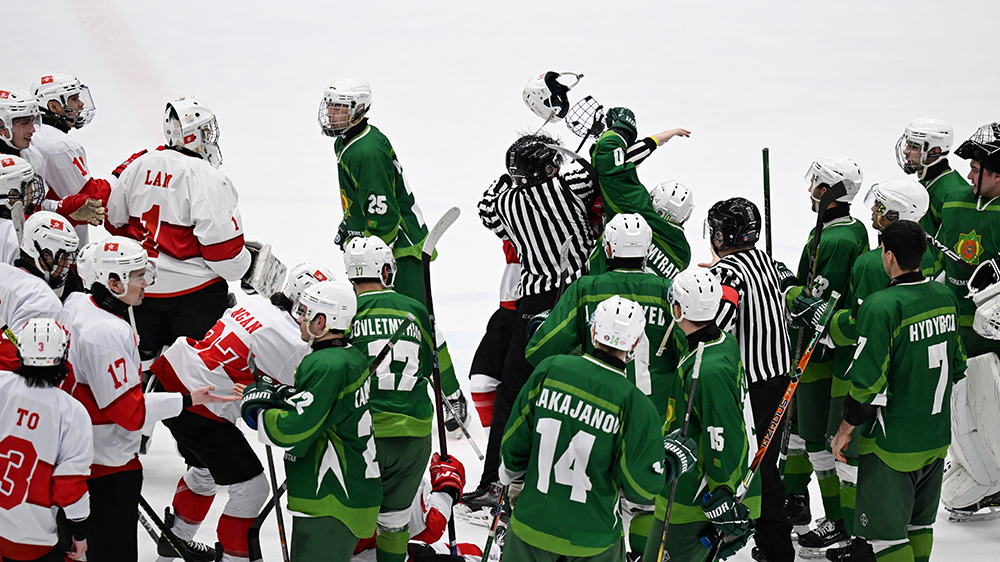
753,309
537,219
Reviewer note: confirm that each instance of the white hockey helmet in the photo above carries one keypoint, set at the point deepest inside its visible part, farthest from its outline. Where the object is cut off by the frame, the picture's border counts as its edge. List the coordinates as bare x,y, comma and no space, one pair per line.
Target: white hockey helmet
19,182
16,104
627,235
897,199
85,264
546,97
697,292
60,87
333,299
370,258
929,137
618,323
42,342
353,93
51,243
672,201
190,124
834,168
302,276
121,256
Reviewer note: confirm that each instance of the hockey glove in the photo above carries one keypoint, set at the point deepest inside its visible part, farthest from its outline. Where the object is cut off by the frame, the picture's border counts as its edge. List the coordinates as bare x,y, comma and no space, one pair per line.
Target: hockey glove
682,454
729,516
262,395
448,476
731,544
253,248
806,311
341,238
513,492
535,322
786,279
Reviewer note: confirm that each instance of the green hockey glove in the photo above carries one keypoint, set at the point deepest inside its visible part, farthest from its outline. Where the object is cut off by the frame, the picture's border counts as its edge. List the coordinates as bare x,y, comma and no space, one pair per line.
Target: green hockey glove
262,395
341,238
682,454
729,516
536,321
786,279
731,544
806,311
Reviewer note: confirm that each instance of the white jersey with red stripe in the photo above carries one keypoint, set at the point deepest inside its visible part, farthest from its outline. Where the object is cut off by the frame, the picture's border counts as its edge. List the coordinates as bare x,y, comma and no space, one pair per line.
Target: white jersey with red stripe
185,213
62,162
104,376
510,283
220,358
45,454
10,248
24,296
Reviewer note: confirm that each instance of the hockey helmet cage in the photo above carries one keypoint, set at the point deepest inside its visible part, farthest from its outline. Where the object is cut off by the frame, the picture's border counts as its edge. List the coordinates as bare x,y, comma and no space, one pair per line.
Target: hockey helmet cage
547,97
698,293
121,256
42,342
733,223
672,201
19,182
618,323
627,235
833,169
898,199
190,124
353,93
530,161
60,87
51,243
302,276
370,258
333,299
983,147
930,137
16,104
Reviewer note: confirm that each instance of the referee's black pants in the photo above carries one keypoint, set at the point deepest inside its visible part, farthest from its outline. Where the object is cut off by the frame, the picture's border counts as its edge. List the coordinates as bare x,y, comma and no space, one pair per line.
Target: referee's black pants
774,533
516,371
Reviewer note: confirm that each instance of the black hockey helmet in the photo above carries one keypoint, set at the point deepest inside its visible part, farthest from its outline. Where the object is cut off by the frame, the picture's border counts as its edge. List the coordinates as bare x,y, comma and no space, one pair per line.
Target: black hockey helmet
733,223
530,161
983,147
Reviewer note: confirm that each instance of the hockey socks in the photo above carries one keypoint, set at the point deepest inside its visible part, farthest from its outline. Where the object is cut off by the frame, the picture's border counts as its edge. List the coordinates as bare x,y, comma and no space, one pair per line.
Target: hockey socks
798,469
921,541
484,393
390,546
192,500
829,484
638,531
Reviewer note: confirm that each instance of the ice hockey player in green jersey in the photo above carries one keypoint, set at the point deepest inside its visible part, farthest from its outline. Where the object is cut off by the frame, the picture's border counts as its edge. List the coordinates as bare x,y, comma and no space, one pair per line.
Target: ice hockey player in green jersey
842,240
581,435
922,149
908,357
400,405
615,156
325,427
889,201
627,243
705,501
377,201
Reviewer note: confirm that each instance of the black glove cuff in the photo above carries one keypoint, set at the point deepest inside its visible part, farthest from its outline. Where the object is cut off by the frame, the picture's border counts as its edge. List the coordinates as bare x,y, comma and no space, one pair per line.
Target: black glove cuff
187,402
856,413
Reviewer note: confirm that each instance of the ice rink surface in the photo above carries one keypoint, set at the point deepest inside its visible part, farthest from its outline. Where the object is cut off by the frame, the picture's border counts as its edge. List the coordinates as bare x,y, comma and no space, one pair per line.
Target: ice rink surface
802,78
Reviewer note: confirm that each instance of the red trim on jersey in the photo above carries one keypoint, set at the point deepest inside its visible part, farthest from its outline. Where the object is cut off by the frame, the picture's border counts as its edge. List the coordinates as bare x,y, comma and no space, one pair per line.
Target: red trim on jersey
509,305
510,253
67,490
40,487
232,533
192,507
484,406
18,551
128,410
434,527
167,376
730,294
185,291
223,251
98,470
8,355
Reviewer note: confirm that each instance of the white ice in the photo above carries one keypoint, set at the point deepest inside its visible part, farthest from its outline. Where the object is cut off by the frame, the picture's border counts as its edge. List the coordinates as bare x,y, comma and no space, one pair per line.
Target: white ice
802,78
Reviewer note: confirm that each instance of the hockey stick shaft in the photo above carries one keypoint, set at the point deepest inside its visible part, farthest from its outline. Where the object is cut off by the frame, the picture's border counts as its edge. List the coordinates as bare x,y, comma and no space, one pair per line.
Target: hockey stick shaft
767,200
684,430
563,267
949,253
277,507
465,430
166,533
491,536
253,534
149,528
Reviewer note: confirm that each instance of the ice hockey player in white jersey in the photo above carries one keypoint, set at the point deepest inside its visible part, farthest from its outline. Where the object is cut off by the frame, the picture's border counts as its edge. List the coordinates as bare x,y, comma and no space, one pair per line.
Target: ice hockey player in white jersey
45,452
65,104
214,449
21,191
19,120
105,377
184,211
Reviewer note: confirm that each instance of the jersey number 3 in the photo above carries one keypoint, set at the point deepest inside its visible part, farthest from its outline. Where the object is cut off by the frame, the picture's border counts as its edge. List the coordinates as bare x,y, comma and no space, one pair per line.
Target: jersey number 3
17,461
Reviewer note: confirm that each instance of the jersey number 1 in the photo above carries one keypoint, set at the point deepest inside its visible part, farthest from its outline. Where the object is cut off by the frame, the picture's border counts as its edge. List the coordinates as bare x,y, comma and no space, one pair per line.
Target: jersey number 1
571,468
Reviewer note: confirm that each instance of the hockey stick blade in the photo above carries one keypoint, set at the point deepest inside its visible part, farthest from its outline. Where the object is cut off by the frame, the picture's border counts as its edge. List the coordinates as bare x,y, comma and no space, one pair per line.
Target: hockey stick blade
446,220
166,533
575,157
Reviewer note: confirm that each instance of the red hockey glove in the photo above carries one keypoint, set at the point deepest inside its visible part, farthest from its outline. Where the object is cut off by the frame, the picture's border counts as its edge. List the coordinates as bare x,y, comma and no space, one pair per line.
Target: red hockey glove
447,476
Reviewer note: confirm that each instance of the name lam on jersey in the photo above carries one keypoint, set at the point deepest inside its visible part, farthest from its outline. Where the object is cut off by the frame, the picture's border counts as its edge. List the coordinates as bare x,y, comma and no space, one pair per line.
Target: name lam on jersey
932,327
582,410
382,327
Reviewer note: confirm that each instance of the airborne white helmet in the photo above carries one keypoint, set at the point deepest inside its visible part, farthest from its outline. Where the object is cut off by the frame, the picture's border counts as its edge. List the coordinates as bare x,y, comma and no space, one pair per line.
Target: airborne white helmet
834,168
672,201
618,323
18,183
301,277
697,292
927,138
333,299
15,104
42,342
627,235
898,199
190,124
546,97
60,87
354,94
370,258
51,243
121,256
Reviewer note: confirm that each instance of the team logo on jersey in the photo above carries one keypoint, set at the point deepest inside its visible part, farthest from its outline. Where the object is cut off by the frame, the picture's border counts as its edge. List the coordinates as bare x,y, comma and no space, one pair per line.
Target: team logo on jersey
111,247
345,204
970,247
58,225
4,95
7,162
46,79
671,410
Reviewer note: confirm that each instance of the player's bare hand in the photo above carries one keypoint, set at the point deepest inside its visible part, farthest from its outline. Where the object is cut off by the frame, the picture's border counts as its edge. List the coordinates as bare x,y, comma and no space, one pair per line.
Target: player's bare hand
715,260
204,395
92,212
79,548
238,390
663,137
841,440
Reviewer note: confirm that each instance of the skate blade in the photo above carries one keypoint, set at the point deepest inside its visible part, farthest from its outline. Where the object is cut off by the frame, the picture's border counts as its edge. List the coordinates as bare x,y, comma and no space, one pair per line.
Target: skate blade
480,517
966,517
799,530
810,553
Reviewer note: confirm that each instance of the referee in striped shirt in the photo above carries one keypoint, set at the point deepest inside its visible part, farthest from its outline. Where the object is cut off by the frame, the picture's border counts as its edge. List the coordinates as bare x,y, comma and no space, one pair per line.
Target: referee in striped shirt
753,309
537,210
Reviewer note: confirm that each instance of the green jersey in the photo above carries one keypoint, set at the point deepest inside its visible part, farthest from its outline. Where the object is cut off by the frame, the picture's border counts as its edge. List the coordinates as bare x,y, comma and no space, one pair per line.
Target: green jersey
721,422
622,192
374,194
400,403
581,435
330,461
909,354
568,328
867,276
941,181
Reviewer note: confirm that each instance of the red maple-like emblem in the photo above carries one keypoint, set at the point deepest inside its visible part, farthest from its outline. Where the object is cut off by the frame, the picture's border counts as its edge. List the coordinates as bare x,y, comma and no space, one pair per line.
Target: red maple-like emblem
7,162
188,138
46,79
319,275
111,247
58,225
4,95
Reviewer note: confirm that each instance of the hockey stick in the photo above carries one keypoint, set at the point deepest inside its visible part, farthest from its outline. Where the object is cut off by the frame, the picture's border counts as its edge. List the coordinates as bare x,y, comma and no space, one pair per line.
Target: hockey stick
465,430
684,431
252,365
563,267
166,533
450,216
767,201
949,253
253,534
491,536
149,528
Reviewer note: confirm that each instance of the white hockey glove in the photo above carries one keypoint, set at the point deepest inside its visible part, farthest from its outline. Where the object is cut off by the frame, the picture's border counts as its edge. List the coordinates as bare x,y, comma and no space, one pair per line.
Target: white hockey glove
266,273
